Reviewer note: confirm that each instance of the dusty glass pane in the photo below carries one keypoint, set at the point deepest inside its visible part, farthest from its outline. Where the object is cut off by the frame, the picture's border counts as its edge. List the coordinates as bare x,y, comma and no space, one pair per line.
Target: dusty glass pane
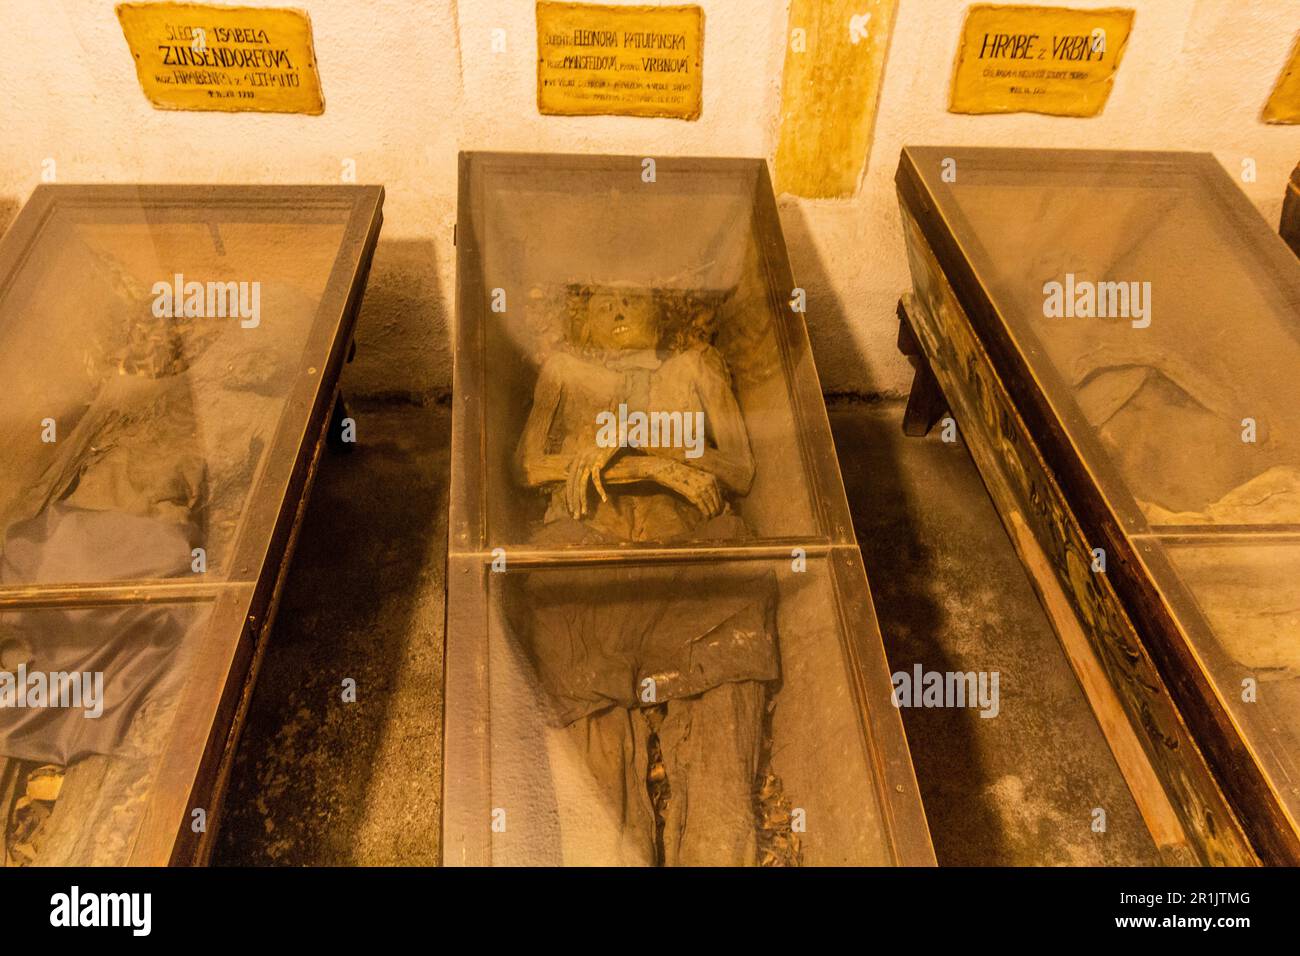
1240,598
87,700
660,643
1164,331
677,715
137,421
170,354
598,299
1145,320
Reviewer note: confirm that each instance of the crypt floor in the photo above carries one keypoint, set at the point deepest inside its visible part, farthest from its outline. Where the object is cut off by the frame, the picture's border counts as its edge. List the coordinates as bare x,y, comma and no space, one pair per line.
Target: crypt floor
317,781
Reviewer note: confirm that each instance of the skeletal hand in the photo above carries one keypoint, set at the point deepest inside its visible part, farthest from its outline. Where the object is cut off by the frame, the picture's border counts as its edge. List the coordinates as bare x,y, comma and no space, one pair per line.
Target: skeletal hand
586,467
698,487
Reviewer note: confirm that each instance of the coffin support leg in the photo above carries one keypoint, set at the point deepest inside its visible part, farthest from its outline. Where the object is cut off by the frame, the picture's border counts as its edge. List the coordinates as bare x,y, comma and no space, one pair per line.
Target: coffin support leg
925,402
341,418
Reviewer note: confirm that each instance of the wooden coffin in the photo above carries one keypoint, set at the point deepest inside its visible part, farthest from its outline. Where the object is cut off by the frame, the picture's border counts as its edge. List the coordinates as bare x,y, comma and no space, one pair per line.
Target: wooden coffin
1290,225
1144,455
170,357
662,677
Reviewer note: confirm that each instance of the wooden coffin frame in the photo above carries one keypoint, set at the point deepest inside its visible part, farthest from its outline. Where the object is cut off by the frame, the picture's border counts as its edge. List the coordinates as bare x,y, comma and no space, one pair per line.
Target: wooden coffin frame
193,768
467,748
1290,225
1202,786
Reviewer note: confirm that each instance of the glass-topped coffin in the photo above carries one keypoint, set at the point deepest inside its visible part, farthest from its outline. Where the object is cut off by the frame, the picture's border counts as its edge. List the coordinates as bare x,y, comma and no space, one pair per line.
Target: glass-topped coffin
1158,317
661,648
169,356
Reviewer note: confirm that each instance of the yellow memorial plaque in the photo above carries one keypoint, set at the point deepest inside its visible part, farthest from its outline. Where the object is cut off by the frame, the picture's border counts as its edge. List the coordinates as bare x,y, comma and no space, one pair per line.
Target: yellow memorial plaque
192,56
625,61
1284,105
1038,60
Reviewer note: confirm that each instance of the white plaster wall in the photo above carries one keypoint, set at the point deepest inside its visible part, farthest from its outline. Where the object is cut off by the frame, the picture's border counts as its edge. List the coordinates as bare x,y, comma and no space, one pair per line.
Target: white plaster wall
391,77
409,82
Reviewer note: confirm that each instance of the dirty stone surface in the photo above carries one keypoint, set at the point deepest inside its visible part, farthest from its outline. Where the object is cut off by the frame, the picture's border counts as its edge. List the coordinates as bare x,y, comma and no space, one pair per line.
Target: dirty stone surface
1021,788
317,781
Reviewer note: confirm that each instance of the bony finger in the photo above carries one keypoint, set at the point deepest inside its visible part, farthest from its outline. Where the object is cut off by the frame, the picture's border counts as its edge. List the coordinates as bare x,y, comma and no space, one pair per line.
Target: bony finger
572,494
595,480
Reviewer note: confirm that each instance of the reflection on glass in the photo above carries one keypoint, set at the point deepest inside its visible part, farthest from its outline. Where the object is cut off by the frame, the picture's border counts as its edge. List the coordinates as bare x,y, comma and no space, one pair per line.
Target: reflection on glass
162,349
1244,622
1159,318
86,699
1175,341
658,300
660,680
138,422
678,714
660,672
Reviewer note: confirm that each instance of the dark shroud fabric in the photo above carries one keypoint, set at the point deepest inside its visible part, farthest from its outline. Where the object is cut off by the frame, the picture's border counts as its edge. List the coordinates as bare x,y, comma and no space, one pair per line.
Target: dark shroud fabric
134,647
594,635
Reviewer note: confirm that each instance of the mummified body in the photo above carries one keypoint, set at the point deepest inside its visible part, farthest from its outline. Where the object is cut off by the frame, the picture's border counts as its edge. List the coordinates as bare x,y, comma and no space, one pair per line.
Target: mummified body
652,671
158,461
